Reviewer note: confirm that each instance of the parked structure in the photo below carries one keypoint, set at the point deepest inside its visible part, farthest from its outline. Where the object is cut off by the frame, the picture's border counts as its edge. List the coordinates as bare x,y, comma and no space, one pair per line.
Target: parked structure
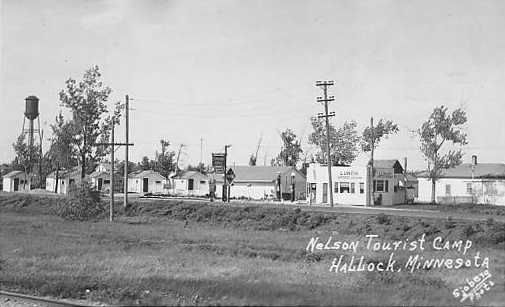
262,182
66,179
100,178
147,181
482,183
350,183
16,181
190,183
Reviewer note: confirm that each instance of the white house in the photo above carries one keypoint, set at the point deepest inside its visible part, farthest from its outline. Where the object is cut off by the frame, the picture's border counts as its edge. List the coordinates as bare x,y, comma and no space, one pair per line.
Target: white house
16,181
66,179
100,178
190,183
350,183
147,181
484,183
262,182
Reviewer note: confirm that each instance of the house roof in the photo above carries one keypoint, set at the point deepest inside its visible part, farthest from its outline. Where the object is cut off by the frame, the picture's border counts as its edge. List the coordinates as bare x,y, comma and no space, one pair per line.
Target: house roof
189,175
74,172
106,165
143,174
482,170
96,174
13,174
390,163
258,173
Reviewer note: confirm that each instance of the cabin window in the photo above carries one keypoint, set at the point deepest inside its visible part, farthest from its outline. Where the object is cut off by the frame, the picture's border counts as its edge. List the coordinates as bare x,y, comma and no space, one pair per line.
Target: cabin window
344,187
106,181
361,188
203,182
448,189
381,185
469,188
335,189
158,181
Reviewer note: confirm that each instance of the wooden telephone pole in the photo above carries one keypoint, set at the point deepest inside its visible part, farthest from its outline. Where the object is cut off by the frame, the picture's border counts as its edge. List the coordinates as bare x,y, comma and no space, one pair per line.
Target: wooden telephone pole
326,116
112,144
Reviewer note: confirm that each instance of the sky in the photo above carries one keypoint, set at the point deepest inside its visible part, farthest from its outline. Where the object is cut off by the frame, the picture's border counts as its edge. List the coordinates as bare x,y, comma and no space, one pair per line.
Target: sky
210,73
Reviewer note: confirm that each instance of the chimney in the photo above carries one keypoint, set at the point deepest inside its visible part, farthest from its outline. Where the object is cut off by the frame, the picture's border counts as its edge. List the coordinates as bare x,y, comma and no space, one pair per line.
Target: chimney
474,160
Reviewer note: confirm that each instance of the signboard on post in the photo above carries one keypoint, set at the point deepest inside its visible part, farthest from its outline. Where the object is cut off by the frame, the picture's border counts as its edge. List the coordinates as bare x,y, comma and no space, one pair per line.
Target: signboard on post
218,162
230,176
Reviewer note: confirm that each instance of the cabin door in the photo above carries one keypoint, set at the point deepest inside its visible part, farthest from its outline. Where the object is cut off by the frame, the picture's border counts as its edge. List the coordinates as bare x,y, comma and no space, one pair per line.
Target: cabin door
100,182
145,185
16,184
190,184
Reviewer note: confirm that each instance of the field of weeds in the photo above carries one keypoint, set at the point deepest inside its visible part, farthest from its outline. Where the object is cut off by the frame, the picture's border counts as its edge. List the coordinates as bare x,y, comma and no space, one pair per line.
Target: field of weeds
195,253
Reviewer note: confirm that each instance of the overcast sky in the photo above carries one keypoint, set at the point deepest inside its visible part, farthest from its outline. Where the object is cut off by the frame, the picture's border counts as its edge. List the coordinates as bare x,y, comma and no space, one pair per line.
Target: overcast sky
228,72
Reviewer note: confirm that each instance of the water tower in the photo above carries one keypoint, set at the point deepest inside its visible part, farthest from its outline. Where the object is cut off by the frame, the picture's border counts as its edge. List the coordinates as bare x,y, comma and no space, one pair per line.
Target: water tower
32,114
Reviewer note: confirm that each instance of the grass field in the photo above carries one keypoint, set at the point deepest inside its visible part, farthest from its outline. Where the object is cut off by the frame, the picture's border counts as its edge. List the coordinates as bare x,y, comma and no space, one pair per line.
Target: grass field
246,255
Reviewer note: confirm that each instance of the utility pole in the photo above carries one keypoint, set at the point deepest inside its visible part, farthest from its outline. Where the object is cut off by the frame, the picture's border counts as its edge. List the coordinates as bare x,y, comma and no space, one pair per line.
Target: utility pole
178,155
372,173
226,188
127,99
111,186
201,149
326,116
112,144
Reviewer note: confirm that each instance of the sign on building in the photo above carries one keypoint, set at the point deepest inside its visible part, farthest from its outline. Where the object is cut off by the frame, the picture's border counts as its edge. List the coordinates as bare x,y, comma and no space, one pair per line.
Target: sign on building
218,162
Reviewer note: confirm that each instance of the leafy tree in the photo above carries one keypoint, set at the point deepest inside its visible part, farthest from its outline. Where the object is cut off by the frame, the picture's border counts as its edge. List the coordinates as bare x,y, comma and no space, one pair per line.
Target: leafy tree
146,164
26,157
290,152
61,153
372,137
86,100
440,128
202,168
120,167
164,163
343,142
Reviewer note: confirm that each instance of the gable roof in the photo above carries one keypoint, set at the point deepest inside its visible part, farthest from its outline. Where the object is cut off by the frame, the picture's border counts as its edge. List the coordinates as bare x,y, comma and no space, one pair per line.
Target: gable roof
106,165
390,163
464,170
258,173
142,174
189,175
74,172
13,174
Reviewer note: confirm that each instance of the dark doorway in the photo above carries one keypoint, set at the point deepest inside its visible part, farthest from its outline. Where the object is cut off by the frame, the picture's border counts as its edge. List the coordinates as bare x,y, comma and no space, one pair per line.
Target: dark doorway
190,184
16,184
145,185
100,182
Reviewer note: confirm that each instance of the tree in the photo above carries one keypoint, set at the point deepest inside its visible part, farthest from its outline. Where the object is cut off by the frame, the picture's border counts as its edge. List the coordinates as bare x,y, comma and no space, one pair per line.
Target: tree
61,153
290,152
252,160
26,157
343,142
164,163
440,128
372,137
201,167
87,102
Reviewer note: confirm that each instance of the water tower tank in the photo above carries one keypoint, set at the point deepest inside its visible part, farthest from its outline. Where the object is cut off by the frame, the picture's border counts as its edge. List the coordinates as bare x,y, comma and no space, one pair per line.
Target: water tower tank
32,107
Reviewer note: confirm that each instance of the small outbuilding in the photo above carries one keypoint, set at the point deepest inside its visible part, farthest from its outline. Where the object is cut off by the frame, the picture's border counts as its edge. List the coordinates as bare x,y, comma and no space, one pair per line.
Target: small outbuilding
191,183
100,178
16,181
66,180
147,181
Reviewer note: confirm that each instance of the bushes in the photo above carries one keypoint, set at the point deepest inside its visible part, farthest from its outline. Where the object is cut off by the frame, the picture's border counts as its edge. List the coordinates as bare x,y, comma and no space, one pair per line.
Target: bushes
82,204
